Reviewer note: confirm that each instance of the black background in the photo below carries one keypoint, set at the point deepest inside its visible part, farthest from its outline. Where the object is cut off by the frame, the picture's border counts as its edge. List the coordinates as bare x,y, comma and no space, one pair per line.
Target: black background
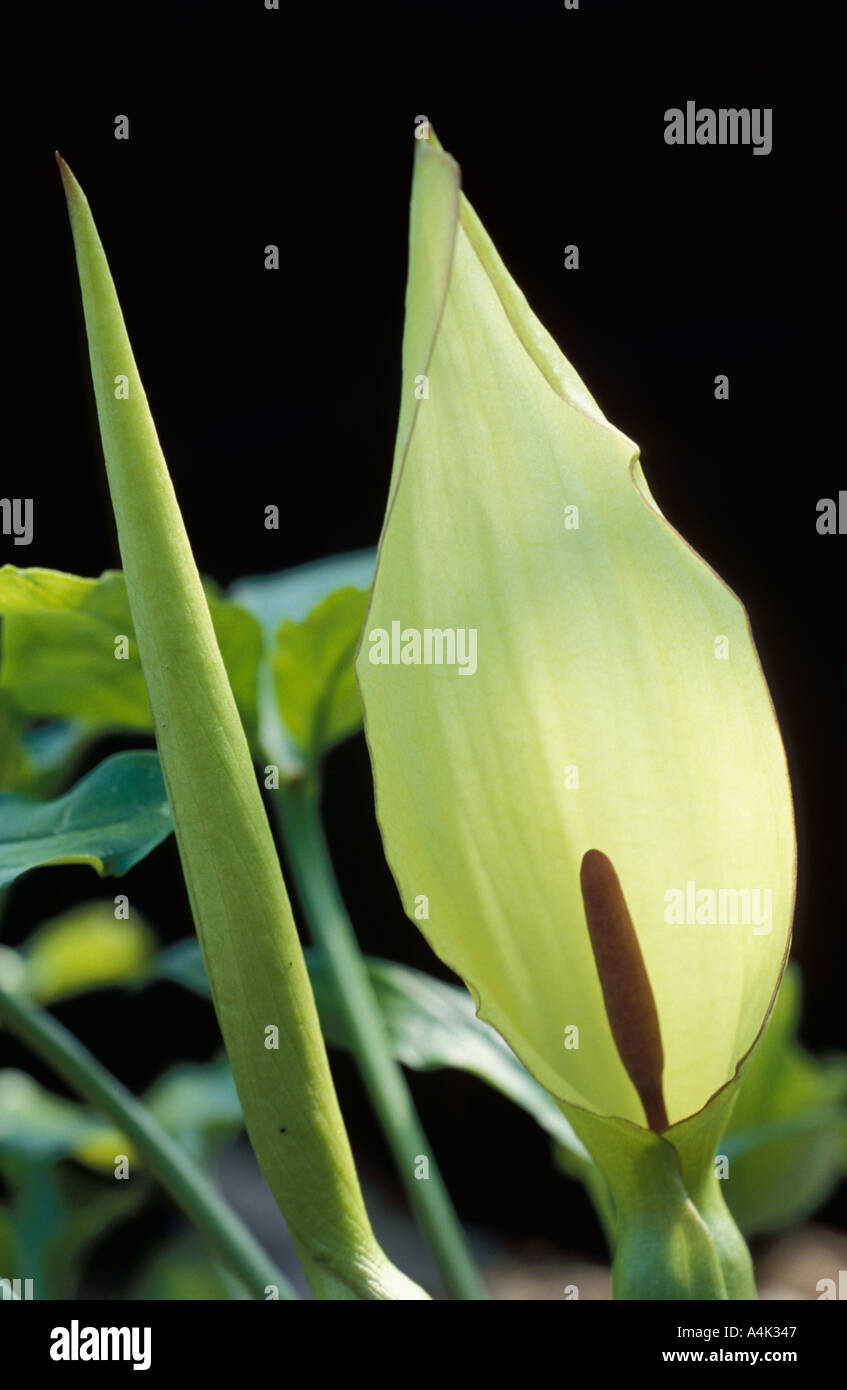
295,127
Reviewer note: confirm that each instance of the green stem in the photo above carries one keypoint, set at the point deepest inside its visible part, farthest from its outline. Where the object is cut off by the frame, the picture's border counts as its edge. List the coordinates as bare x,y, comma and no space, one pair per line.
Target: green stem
298,810
165,1158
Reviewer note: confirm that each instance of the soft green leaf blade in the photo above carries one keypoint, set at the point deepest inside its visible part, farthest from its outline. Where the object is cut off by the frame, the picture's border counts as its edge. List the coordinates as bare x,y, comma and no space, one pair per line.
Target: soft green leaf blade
110,819
59,648
294,593
49,752
313,671
781,1079
780,1173
311,617
786,1142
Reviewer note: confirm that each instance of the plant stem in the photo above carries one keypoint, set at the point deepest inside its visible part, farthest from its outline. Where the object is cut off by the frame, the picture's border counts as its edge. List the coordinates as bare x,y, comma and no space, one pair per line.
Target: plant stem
297,804
165,1158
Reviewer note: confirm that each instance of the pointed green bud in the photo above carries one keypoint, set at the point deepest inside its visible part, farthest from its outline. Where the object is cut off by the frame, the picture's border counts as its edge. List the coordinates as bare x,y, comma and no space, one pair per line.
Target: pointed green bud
241,910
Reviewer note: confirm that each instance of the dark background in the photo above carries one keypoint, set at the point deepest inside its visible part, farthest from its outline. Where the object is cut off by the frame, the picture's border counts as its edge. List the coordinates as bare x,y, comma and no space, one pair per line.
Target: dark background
249,127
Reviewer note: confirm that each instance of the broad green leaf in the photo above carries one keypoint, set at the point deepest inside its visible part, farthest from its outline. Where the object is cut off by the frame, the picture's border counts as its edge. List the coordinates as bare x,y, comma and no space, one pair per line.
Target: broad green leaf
781,1079
779,1173
313,671
111,819
430,1025
85,949
49,753
607,697
311,617
238,898
34,760
786,1142
59,649
291,595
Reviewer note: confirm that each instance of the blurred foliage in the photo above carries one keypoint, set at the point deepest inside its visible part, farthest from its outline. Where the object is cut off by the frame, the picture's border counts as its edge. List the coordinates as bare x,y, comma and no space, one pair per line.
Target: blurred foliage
787,1137
85,949
313,672
287,640
182,1270
59,659
110,819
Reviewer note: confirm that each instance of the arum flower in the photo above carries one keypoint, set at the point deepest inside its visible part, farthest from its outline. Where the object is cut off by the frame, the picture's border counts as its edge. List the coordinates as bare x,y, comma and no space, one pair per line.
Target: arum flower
579,776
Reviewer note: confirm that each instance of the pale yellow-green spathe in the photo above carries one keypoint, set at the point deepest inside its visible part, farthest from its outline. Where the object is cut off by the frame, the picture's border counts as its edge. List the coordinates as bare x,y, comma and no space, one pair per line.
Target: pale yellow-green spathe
599,661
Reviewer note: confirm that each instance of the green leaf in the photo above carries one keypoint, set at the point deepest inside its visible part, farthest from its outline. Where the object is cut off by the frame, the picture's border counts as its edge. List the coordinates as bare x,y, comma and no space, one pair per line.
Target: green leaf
311,617
85,949
786,1142
780,1173
292,594
49,752
313,670
111,819
59,658
781,1079
34,761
